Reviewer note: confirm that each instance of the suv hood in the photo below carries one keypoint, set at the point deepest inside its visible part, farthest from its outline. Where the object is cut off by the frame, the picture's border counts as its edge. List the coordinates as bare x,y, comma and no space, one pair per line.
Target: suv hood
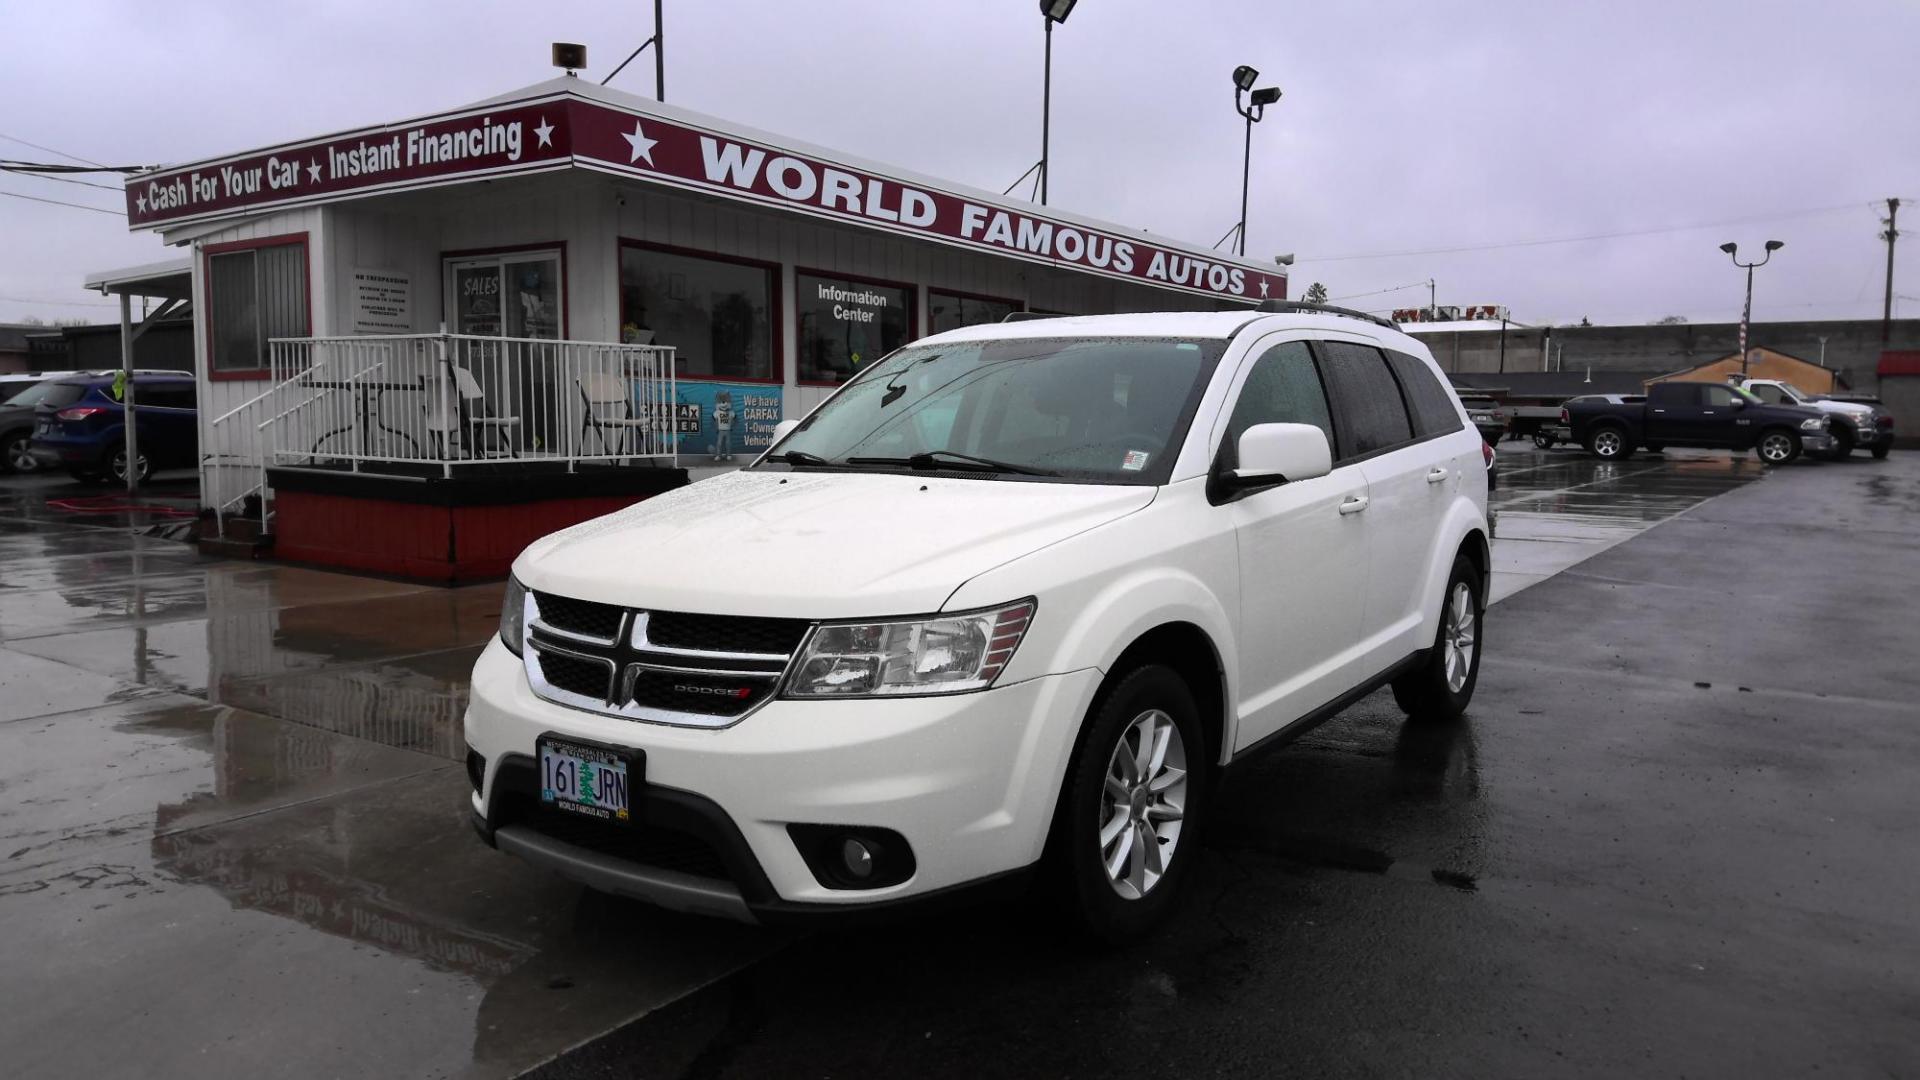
814,545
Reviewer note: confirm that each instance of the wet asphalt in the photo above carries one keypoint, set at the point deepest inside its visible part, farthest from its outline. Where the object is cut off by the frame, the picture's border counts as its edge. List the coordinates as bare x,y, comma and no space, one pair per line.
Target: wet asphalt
1675,836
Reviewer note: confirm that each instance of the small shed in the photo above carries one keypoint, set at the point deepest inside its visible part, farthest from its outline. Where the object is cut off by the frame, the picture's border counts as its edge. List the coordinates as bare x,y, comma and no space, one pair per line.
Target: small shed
1763,363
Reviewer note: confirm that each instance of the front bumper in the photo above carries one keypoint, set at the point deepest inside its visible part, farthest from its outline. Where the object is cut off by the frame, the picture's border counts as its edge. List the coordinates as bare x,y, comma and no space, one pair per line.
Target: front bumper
969,781
66,455
1818,442
1872,436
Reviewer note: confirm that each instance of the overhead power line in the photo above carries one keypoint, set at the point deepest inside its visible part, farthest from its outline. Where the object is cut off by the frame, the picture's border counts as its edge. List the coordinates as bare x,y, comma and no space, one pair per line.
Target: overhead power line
38,175
57,303
50,150
57,202
1377,292
1582,239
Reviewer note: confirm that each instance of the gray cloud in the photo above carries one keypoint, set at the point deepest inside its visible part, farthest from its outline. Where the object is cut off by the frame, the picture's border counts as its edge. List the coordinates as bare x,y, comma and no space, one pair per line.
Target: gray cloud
1404,126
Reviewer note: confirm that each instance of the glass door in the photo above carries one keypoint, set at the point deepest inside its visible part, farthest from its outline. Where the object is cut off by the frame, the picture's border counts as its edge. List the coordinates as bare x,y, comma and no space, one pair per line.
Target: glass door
520,298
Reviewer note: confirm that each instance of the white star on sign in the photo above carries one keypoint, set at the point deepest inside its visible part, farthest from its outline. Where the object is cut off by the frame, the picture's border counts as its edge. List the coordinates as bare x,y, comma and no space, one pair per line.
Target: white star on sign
1263,288
642,146
313,172
141,202
545,132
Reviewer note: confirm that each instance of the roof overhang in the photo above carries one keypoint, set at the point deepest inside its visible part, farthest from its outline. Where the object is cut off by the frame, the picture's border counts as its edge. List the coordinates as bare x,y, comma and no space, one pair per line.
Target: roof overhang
171,280
566,124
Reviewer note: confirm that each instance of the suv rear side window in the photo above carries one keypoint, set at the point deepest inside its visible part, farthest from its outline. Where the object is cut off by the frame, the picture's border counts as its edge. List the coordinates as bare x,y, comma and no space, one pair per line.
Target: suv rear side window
164,395
1366,398
61,395
1433,411
1281,388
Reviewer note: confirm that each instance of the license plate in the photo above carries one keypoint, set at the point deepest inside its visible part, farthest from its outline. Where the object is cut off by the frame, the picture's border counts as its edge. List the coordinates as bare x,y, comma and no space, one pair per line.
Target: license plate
593,781
45,426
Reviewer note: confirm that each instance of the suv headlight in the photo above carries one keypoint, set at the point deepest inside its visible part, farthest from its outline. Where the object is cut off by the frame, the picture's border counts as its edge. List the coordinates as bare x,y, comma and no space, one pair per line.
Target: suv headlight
1814,424
947,654
513,615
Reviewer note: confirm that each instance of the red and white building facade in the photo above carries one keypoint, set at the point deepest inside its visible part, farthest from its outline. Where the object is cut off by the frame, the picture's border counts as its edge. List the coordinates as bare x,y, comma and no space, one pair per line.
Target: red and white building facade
572,212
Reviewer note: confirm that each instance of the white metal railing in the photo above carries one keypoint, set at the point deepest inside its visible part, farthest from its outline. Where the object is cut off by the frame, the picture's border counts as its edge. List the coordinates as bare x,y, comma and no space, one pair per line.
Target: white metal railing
451,401
439,402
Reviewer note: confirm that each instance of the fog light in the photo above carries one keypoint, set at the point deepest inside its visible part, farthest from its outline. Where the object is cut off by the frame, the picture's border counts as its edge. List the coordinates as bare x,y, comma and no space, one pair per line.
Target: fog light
853,856
858,858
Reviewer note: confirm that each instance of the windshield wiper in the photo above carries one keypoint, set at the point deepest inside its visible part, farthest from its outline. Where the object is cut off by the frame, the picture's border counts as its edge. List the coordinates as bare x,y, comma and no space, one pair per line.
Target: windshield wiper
800,457
932,459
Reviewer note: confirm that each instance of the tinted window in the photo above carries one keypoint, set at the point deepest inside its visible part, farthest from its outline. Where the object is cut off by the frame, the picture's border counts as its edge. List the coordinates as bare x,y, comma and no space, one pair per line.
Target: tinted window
1719,397
166,395
1282,388
1433,411
60,395
26,394
1366,398
846,323
716,314
1772,395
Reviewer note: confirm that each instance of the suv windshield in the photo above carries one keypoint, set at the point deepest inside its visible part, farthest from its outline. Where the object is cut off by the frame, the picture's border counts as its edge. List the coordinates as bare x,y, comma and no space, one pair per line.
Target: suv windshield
1101,410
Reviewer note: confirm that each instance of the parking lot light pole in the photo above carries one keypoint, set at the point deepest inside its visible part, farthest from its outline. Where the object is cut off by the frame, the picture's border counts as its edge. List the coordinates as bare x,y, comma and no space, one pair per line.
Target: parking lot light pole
1252,110
1746,313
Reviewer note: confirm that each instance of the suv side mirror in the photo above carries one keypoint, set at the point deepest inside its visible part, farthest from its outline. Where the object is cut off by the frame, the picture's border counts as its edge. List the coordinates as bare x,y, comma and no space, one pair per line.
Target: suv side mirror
783,429
1280,454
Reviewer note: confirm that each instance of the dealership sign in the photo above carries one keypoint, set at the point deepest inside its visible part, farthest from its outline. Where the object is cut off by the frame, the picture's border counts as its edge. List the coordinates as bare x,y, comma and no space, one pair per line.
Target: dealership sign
567,130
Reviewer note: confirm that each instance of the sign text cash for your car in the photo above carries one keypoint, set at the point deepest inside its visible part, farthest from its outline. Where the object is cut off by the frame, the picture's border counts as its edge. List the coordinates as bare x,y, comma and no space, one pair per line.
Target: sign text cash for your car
566,131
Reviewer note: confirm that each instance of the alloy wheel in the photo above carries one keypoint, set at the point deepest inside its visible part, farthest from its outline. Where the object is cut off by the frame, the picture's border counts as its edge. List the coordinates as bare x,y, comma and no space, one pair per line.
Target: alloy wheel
1457,636
19,456
1776,448
1606,444
1143,804
119,465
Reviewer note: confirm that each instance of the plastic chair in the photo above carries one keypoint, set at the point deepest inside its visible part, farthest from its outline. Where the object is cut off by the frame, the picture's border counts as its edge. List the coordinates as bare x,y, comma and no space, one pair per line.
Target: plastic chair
464,412
609,407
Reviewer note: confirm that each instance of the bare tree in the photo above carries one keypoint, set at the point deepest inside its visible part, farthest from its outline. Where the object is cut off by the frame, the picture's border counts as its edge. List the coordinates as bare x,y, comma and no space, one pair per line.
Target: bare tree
1316,294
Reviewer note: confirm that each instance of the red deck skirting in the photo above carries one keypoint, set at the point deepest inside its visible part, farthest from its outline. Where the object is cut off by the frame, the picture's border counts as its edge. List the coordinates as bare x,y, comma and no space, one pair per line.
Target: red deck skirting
442,544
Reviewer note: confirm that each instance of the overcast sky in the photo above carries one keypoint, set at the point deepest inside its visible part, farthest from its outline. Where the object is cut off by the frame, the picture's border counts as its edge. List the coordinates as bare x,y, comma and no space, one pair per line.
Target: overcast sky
1406,127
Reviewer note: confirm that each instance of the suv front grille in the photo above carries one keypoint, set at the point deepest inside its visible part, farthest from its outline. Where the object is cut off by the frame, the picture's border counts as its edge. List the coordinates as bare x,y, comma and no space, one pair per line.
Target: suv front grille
725,633
667,667
583,617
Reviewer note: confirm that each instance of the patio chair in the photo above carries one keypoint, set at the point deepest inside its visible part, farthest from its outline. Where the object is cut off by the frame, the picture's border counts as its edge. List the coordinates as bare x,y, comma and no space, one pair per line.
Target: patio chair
463,411
609,407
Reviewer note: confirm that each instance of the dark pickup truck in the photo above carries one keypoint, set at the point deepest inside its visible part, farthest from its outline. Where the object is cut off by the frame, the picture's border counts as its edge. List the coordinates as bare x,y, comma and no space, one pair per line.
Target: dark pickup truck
1696,414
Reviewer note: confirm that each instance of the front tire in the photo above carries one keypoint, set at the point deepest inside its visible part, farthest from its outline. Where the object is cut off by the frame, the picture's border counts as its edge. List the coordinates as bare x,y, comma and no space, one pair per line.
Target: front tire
1777,447
1124,835
1842,444
1609,444
1881,451
1442,686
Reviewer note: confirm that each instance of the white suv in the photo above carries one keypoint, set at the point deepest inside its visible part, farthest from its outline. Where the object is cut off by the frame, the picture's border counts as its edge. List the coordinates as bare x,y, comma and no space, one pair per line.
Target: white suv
1009,601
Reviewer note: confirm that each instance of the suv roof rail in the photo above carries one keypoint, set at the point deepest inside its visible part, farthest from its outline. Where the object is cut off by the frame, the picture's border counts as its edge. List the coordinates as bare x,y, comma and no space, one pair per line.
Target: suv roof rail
1026,316
1298,308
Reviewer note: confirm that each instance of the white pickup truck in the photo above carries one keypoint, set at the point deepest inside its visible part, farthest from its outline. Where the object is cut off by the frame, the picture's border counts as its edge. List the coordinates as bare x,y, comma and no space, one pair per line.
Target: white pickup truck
1853,424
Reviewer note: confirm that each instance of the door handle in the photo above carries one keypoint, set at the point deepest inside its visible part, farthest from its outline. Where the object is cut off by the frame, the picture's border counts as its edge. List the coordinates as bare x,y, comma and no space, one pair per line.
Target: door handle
1706,412
1660,410
1354,504
1436,475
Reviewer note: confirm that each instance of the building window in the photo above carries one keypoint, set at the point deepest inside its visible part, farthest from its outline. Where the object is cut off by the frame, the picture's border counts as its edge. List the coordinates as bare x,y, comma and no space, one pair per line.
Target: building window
951,311
517,294
847,323
255,294
716,314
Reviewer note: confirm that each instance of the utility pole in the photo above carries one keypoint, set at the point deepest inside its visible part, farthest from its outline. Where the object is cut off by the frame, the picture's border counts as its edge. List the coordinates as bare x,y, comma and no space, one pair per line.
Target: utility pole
1892,234
1433,304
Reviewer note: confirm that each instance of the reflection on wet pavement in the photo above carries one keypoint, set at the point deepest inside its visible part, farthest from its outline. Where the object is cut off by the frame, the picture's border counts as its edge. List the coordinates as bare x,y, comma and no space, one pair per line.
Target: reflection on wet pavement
233,796
1556,508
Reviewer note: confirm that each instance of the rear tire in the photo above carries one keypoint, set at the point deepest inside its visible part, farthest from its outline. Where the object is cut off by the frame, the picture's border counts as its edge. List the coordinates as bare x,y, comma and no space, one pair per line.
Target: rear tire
1842,444
1442,686
1881,451
15,457
117,465
1777,447
1115,812
1609,444
1543,440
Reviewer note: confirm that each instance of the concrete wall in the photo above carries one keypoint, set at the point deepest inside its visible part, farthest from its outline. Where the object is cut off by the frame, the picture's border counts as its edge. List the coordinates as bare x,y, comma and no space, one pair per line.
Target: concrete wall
1852,346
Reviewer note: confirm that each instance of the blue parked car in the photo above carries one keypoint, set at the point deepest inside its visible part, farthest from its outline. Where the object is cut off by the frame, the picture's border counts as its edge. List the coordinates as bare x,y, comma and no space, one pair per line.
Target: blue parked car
80,426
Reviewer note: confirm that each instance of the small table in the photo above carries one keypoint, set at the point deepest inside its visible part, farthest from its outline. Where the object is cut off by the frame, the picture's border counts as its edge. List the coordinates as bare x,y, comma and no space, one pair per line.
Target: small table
367,397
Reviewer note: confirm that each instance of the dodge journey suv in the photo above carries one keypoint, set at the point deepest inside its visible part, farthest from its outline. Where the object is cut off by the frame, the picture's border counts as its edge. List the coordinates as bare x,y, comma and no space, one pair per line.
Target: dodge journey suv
1001,610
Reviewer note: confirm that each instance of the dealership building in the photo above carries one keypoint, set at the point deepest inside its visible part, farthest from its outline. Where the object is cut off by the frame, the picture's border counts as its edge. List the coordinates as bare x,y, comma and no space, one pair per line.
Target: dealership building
554,240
